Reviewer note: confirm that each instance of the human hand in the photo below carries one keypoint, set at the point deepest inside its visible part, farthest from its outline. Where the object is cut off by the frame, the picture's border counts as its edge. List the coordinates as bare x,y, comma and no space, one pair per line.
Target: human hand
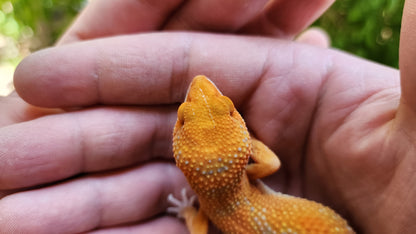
333,119
78,169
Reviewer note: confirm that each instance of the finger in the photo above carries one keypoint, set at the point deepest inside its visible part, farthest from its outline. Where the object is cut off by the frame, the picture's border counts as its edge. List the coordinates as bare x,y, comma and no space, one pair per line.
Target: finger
284,18
315,37
157,69
15,110
215,15
161,225
56,147
142,69
106,18
92,202
407,56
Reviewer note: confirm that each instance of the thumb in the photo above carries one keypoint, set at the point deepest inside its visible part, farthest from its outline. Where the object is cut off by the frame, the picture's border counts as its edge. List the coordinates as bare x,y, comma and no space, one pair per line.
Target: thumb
407,55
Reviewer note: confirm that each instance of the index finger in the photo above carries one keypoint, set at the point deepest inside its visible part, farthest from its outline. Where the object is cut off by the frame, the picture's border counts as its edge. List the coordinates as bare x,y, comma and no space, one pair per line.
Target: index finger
263,17
140,69
107,17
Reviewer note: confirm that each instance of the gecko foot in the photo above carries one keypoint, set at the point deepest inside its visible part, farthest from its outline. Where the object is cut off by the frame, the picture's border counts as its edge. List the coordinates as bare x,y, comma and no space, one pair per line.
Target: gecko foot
180,206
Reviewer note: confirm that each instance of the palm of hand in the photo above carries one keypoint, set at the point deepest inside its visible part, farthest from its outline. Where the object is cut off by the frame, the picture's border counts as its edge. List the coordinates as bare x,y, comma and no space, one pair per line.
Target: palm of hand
332,120
326,127
337,139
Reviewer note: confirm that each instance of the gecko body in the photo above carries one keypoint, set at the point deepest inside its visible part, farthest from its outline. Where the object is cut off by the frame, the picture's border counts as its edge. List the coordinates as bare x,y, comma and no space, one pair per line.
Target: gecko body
212,147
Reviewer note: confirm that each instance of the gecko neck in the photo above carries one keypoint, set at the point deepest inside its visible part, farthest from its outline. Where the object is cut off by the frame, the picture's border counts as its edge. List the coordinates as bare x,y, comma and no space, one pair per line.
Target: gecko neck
230,199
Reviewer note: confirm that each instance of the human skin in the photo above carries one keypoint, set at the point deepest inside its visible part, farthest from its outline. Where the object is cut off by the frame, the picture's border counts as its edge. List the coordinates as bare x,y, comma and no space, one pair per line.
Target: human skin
96,153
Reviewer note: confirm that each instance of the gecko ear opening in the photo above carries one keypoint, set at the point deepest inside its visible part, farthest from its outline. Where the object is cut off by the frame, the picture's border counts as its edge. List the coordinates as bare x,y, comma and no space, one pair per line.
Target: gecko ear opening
181,109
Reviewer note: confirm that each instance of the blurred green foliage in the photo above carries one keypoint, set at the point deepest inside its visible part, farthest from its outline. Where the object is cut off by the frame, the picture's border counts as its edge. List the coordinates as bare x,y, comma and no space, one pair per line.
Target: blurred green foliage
366,28
370,29
27,25
49,17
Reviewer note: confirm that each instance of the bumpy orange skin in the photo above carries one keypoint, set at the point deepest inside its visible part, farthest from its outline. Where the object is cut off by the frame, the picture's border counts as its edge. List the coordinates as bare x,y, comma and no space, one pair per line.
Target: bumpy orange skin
212,146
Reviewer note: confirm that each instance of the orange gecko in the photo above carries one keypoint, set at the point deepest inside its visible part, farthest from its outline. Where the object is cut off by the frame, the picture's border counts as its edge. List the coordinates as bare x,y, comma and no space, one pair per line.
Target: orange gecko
212,147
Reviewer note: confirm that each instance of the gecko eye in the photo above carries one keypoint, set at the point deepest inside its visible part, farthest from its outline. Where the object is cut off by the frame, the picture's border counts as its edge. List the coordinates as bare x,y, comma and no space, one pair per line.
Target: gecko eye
181,118
229,104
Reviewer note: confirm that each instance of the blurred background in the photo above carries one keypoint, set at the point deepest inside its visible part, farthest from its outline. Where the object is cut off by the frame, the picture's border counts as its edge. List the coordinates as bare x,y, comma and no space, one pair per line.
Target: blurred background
369,29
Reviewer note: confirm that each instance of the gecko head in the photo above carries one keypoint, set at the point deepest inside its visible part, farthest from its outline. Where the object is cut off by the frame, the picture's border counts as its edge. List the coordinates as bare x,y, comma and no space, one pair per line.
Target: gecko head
210,139
205,107
204,103
206,111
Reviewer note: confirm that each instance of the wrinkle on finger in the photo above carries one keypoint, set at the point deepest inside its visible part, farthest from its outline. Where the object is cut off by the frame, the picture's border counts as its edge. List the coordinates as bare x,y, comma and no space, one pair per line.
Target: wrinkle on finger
93,201
138,69
54,72
82,141
122,70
